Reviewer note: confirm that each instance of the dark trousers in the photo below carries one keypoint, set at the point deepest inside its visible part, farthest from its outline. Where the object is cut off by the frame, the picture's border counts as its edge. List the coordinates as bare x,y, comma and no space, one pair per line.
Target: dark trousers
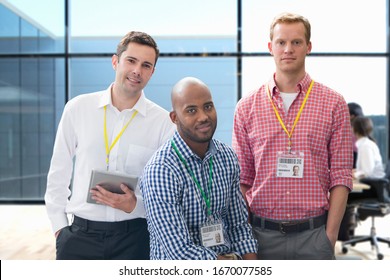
89,240
307,245
295,241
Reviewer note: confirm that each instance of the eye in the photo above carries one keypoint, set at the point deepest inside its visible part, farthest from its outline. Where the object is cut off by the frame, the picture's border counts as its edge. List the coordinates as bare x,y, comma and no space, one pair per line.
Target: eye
191,111
209,107
297,43
131,60
147,66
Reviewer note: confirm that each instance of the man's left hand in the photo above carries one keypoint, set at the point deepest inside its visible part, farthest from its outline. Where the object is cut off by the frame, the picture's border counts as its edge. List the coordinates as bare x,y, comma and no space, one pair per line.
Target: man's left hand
125,202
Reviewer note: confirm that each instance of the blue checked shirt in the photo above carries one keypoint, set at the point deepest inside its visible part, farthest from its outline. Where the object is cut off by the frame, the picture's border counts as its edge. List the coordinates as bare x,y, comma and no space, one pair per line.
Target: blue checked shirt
175,208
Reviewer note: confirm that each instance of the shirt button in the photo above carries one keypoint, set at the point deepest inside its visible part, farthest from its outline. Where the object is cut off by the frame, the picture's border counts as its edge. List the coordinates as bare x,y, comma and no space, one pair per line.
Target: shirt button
287,192
288,215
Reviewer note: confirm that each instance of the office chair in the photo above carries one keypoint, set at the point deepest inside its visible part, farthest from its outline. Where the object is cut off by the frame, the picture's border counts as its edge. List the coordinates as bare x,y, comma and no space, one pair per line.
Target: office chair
377,204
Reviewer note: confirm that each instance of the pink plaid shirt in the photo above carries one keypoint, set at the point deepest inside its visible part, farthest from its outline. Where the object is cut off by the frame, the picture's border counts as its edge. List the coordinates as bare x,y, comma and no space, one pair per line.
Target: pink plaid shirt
323,134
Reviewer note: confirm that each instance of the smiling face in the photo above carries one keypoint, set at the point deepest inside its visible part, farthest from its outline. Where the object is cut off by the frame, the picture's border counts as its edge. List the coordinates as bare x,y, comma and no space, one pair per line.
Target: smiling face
289,47
134,68
194,113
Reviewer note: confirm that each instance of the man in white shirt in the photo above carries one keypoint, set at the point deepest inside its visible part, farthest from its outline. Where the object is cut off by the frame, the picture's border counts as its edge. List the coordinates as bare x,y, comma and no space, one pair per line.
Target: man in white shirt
117,129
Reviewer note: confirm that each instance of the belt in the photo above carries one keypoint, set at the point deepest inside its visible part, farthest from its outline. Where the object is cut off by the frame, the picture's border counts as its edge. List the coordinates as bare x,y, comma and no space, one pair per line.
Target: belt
289,226
107,226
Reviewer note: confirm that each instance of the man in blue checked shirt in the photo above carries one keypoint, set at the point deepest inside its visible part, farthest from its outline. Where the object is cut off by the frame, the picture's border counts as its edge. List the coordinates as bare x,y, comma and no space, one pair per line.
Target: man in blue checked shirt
191,188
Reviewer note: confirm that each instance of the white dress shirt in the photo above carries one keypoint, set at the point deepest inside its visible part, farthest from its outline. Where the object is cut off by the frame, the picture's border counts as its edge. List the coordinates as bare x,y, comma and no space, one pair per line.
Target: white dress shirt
79,147
369,160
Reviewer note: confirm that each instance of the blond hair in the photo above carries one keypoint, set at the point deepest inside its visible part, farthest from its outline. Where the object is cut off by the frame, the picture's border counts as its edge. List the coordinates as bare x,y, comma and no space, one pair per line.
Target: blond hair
291,18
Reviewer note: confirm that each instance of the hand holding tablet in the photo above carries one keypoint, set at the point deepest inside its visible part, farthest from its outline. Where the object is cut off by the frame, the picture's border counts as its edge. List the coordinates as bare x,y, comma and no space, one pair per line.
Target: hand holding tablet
110,181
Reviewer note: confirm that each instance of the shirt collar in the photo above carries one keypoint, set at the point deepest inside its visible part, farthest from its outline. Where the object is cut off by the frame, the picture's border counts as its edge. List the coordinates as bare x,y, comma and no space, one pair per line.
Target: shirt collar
302,86
186,151
140,106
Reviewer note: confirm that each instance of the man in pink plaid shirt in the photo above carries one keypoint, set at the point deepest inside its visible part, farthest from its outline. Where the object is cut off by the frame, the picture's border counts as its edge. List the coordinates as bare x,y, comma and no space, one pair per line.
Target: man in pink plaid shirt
294,121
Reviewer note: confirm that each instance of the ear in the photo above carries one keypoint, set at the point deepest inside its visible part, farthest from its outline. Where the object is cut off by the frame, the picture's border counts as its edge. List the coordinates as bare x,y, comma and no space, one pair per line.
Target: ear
173,116
270,48
114,61
309,46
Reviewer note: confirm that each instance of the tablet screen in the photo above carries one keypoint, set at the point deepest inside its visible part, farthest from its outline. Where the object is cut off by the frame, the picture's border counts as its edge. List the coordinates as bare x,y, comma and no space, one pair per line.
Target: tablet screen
110,181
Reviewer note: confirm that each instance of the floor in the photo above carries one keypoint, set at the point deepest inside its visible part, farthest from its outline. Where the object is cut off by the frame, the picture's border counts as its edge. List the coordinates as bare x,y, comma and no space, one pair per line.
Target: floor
25,234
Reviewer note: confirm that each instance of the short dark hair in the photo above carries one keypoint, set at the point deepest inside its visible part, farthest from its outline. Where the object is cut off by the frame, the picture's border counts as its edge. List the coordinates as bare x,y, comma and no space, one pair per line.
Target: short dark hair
137,37
355,109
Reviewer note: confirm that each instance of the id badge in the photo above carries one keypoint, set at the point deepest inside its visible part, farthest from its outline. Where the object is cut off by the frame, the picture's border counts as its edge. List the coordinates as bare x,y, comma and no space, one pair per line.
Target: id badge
212,234
290,165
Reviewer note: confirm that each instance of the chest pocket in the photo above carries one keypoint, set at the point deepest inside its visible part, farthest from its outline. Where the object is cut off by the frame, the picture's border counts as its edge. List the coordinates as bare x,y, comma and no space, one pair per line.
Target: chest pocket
136,159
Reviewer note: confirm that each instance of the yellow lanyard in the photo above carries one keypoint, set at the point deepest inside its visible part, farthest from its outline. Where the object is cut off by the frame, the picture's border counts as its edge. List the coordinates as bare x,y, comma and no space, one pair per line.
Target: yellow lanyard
290,133
109,147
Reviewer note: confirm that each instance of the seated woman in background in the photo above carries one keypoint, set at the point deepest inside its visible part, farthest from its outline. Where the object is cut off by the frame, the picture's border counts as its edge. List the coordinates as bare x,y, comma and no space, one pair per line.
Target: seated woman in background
368,164
369,160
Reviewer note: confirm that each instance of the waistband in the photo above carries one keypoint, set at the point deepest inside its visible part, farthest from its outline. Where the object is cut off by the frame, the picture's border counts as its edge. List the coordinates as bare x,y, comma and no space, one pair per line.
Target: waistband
109,226
289,226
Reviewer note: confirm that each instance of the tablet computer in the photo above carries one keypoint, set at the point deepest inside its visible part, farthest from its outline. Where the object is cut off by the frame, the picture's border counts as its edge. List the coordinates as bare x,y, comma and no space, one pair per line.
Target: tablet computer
111,181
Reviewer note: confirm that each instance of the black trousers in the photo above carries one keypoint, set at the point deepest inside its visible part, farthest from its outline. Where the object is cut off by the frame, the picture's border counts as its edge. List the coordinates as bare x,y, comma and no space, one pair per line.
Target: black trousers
89,240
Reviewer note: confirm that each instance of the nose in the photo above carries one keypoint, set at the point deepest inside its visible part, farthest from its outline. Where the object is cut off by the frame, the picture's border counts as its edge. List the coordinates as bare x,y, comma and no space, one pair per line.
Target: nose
288,48
202,116
137,70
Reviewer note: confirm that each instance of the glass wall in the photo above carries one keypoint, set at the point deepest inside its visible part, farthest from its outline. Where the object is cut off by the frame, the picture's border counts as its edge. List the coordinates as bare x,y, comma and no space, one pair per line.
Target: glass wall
178,26
28,96
31,94
348,26
27,27
39,73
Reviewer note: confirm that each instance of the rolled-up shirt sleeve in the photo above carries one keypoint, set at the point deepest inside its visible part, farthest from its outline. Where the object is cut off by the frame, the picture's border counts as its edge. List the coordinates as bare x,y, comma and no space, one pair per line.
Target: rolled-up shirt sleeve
340,148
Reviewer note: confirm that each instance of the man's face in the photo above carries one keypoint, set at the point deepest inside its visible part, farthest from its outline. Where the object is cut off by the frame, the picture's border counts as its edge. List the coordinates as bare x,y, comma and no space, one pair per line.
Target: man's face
195,115
134,68
289,47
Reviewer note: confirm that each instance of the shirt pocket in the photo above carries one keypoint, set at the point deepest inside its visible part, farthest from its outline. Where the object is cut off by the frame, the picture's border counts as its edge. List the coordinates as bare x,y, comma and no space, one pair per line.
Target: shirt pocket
136,159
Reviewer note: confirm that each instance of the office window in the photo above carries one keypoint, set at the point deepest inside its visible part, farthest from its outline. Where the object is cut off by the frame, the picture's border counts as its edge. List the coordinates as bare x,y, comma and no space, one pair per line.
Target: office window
337,26
29,27
29,94
90,75
209,26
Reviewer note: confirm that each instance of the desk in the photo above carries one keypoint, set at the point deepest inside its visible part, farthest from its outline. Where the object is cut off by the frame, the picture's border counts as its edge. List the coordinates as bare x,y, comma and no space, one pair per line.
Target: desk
359,187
